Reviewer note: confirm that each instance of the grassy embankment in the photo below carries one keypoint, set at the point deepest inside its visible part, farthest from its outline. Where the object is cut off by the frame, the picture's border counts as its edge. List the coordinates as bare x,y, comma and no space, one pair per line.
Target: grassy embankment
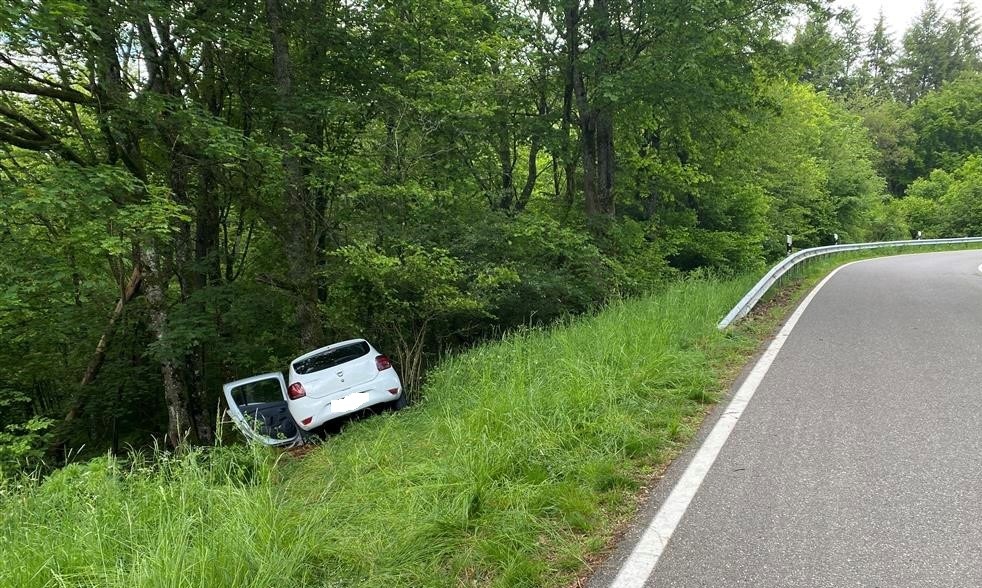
517,469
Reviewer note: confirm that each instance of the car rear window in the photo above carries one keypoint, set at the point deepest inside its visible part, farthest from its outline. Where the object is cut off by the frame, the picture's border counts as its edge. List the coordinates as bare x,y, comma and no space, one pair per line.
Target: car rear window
331,358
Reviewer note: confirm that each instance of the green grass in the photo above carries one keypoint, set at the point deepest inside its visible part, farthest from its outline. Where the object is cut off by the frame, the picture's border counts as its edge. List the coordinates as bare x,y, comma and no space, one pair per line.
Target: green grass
517,469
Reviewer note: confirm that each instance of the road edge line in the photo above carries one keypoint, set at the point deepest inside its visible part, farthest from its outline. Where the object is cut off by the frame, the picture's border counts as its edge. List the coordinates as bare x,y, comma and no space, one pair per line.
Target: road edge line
641,562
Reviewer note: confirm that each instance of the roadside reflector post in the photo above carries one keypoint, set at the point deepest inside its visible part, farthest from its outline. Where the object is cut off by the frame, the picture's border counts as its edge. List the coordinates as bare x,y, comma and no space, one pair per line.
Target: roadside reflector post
919,235
835,237
789,243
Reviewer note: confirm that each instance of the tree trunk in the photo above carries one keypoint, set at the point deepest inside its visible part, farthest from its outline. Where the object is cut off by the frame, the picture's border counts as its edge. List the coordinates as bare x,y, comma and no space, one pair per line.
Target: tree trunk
588,146
532,177
507,198
110,89
571,18
205,272
300,219
533,157
179,421
605,164
95,363
597,142
99,355
596,122
207,227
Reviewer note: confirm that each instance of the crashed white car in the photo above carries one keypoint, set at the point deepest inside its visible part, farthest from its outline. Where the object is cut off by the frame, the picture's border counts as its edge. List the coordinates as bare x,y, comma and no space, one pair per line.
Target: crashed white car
324,384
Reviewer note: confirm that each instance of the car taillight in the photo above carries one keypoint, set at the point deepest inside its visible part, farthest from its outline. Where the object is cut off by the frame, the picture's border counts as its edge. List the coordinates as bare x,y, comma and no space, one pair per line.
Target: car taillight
296,391
382,363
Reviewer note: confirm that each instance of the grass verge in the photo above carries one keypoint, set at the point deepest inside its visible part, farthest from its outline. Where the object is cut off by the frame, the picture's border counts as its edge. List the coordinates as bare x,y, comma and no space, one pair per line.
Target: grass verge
517,469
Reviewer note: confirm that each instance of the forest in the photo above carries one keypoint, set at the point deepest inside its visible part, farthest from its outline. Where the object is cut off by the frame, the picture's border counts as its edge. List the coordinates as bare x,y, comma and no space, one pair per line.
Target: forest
199,190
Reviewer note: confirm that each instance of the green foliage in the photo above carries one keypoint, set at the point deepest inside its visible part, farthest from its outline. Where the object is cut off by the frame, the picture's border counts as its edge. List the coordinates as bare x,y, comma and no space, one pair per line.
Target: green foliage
948,125
944,204
522,462
888,222
816,169
893,139
917,100
880,65
277,175
196,192
929,50
829,48
962,202
22,445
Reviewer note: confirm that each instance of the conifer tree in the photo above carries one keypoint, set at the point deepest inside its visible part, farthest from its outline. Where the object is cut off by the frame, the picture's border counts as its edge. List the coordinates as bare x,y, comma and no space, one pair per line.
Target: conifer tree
966,54
880,59
929,47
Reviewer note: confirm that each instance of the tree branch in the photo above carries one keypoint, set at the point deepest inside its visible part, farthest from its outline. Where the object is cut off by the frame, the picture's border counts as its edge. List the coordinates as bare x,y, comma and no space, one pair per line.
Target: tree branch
38,140
44,82
59,93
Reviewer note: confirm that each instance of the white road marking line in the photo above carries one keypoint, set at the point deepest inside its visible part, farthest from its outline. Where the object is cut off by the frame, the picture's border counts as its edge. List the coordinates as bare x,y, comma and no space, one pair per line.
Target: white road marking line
637,568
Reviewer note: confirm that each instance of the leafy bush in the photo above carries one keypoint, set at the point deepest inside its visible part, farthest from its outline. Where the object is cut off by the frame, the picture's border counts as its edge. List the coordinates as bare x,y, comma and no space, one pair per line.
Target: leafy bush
22,446
944,204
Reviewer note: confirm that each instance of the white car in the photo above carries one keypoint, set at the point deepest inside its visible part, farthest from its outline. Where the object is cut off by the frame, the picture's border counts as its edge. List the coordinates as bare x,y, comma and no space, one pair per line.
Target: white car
324,384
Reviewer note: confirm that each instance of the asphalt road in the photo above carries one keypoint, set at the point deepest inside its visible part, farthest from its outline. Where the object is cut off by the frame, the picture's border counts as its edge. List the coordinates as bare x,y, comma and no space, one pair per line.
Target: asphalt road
858,461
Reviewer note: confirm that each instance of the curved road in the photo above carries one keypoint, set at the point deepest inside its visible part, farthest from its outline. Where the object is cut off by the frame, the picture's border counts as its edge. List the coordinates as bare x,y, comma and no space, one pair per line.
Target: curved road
858,461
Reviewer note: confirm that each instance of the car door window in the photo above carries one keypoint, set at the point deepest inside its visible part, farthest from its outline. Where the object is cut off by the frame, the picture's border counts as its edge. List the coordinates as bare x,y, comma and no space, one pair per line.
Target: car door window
258,407
260,392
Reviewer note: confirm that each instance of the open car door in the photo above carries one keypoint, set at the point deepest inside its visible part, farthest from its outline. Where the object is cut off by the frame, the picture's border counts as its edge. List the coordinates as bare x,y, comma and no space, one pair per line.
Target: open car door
258,407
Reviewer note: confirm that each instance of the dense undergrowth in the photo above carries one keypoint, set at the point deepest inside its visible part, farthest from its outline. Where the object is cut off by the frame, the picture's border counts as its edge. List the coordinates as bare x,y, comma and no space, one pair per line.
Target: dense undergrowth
517,466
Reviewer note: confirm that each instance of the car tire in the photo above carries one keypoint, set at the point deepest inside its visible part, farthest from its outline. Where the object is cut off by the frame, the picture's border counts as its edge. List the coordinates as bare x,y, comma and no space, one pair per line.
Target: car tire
401,402
308,437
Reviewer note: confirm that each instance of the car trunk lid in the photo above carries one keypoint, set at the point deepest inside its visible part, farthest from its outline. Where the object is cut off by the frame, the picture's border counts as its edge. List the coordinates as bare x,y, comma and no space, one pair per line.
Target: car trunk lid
335,369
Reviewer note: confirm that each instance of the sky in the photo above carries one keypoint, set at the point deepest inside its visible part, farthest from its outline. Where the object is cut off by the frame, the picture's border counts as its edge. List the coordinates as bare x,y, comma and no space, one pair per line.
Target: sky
899,13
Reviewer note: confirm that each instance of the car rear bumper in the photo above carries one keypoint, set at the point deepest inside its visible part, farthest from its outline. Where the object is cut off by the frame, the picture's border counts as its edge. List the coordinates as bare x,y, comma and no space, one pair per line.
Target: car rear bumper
321,410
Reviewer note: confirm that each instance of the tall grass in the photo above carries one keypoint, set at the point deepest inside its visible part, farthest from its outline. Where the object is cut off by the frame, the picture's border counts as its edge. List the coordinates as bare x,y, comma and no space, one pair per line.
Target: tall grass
516,468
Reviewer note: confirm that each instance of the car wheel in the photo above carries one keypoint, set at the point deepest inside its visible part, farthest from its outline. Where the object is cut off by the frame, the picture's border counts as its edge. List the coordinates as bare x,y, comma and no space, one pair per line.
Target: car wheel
308,437
401,402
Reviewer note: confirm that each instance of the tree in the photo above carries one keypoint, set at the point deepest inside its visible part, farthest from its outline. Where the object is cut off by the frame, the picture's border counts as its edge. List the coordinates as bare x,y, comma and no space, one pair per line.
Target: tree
946,204
302,221
100,130
815,167
619,56
196,191
962,202
966,30
947,126
929,50
852,78
829,47
890,129
880,60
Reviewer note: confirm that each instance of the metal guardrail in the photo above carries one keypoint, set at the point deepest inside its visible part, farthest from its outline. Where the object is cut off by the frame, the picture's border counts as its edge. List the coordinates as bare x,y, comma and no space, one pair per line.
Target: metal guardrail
752,297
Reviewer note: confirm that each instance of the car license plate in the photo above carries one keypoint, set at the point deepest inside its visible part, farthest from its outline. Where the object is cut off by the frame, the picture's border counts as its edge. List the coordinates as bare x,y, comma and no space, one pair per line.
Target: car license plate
349,402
